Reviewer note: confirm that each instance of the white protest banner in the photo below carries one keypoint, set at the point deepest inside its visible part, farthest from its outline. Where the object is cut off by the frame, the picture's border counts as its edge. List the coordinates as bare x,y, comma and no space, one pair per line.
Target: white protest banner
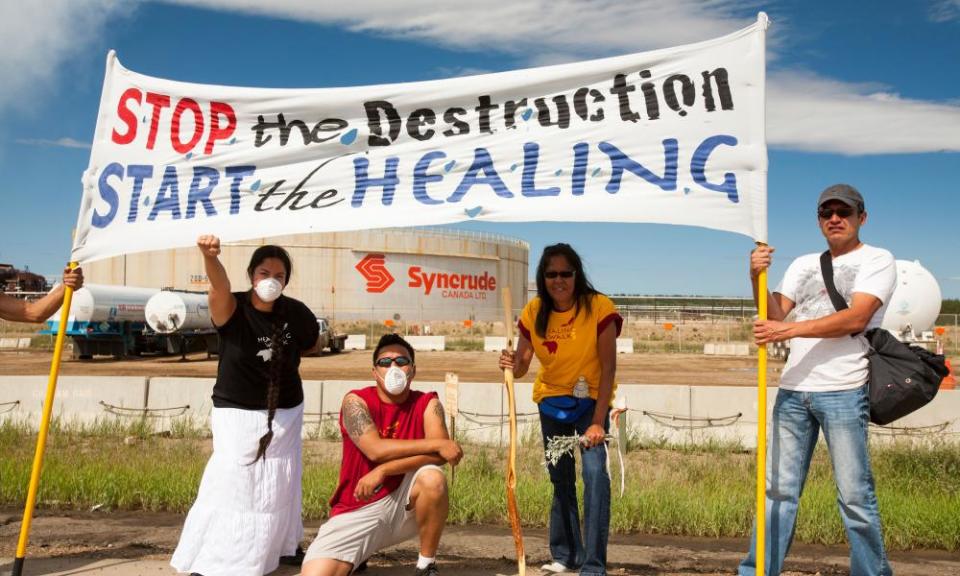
671,136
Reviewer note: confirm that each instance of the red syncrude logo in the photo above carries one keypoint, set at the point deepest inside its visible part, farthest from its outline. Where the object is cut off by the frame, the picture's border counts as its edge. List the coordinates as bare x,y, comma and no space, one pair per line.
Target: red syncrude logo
374,269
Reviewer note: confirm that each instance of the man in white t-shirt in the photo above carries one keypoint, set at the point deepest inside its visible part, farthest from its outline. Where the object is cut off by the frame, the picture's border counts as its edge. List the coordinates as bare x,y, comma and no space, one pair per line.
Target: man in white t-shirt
823,385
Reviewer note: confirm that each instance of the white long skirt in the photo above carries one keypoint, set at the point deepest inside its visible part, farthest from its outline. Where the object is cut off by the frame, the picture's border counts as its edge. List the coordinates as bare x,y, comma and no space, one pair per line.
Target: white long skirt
246,516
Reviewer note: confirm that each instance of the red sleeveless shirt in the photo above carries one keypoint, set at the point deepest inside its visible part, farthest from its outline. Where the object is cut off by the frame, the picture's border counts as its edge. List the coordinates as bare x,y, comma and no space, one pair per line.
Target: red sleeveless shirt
393,421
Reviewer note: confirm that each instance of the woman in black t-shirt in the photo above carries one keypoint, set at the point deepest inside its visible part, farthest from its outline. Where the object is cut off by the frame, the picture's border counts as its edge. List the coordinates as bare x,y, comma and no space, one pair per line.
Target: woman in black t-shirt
248,510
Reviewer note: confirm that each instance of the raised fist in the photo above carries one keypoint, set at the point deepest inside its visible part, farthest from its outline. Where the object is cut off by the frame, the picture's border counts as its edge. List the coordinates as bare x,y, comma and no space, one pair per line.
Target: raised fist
209,245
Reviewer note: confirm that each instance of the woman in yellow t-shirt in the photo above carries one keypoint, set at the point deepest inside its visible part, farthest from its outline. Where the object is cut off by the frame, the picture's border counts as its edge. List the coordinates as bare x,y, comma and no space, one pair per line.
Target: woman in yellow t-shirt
572,329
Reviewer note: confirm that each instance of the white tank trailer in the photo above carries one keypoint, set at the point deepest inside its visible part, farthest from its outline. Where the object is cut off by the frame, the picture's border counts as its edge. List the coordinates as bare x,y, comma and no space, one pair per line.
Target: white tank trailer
170,312
107,320
95,303
915,304
184,319
112,321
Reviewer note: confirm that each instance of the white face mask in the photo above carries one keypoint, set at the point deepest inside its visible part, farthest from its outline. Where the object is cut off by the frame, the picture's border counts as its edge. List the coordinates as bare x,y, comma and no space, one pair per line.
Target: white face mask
395,380
268,289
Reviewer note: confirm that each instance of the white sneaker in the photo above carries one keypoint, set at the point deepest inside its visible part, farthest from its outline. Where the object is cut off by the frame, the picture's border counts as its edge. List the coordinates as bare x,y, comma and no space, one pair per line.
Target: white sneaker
555,568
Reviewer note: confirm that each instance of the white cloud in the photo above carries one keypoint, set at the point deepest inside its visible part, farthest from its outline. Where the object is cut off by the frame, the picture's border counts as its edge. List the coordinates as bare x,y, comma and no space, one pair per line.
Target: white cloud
945,10
805,111
64,142
459,71
812,113
585,28
39,38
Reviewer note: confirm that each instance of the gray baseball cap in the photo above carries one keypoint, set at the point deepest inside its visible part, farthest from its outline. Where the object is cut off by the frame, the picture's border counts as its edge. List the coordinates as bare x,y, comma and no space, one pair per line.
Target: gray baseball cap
844,193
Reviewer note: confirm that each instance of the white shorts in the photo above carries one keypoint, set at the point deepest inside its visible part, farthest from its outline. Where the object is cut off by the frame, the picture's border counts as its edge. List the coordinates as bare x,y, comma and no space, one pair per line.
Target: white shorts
357,535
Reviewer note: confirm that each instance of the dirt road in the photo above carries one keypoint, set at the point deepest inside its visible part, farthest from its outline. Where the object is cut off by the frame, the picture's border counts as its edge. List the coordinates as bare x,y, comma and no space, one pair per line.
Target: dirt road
135,543
694,369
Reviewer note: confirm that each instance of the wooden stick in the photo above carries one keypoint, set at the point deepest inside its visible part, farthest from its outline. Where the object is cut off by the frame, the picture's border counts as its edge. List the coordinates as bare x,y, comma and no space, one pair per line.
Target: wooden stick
512,508
451,383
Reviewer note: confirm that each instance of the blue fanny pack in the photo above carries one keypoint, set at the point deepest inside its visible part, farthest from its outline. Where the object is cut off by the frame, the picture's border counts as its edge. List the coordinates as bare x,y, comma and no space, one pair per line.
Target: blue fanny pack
566,409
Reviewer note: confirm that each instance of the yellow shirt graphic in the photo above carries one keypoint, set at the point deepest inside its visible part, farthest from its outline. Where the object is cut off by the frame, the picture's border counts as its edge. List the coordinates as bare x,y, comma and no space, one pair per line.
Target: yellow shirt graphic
569,348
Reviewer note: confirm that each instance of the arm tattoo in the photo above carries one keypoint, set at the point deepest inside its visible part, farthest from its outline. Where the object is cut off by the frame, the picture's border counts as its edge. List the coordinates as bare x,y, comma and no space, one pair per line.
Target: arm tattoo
356,418
438,410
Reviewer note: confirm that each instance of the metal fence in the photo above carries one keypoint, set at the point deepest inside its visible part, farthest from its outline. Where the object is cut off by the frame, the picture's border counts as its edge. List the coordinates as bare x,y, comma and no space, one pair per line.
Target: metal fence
680,309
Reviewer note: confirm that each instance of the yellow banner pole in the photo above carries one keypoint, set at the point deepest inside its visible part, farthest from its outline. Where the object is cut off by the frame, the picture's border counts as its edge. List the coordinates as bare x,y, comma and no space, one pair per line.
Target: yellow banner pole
761,549
42,436
512,509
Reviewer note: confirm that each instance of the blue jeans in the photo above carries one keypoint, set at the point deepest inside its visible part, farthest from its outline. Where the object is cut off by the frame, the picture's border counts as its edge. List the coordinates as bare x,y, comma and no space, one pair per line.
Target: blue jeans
797,419
566,546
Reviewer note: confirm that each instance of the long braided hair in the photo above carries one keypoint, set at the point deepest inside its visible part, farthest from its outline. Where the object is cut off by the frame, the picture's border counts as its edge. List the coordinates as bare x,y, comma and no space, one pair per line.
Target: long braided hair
582,288
277,358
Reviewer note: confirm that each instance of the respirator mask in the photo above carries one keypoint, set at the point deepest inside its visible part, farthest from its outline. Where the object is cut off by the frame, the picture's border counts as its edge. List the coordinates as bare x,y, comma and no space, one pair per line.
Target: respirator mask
395,380
268,289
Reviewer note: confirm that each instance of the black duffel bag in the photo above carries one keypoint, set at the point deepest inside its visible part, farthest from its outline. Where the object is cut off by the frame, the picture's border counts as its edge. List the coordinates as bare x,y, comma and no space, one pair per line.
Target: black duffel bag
902,378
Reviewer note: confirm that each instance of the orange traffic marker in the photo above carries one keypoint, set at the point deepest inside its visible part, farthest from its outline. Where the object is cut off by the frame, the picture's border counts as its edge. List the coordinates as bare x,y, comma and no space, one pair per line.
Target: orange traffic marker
949,381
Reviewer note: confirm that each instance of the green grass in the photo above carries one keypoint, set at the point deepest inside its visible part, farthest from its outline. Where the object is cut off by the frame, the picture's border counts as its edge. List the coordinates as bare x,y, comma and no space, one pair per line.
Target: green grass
697,491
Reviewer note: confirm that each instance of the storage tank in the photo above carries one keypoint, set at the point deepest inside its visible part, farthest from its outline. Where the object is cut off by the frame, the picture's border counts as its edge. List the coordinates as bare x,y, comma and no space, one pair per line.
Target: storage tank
411,275
915,304
170,311
103,303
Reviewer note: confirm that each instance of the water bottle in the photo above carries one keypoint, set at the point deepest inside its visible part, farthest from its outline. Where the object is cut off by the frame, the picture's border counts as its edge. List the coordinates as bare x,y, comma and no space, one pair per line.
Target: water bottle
581,389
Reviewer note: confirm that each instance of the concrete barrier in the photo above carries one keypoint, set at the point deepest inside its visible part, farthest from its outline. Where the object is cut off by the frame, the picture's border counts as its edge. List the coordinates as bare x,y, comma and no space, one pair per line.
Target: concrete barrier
654,411
312,407
87,399
624,345
481,407
356,342
484,413
435,343
938,421
494,343
726,414
671,414
15,401
333,393
726,348
183,400
15,343
82,400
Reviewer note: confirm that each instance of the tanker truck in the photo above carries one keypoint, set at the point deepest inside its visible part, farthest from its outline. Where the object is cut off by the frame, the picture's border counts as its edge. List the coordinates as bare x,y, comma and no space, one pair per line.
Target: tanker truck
122,321
108,320
183,318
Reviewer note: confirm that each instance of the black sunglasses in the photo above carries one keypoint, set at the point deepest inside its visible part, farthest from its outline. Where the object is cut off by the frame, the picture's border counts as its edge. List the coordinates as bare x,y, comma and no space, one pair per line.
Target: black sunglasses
561,273
841,211
386,361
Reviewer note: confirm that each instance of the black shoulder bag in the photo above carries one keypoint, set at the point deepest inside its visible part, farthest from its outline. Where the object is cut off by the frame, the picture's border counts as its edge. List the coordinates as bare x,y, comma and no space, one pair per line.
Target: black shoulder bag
902,378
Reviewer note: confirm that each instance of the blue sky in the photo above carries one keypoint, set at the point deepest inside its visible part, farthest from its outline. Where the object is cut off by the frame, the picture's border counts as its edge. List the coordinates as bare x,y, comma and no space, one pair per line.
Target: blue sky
868,97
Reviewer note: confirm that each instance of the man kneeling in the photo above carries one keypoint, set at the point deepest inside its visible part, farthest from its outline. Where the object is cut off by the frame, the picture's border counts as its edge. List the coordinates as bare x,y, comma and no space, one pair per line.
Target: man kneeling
391,485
